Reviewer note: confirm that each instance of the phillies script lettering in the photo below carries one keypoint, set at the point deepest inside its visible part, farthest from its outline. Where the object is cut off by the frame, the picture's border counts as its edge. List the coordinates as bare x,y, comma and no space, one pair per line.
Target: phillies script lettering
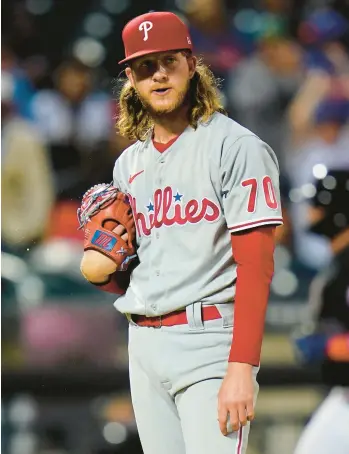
168,210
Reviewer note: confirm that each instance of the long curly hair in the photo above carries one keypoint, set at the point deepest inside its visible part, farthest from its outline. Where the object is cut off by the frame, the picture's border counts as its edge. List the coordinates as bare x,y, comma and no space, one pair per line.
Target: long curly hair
134,122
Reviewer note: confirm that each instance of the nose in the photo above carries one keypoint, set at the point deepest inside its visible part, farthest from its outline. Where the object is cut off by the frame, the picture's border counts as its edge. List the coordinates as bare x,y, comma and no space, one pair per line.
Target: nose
160,74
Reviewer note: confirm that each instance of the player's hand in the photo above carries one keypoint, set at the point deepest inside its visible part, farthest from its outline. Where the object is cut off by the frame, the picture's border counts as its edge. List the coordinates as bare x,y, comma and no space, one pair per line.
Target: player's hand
97,267
235,398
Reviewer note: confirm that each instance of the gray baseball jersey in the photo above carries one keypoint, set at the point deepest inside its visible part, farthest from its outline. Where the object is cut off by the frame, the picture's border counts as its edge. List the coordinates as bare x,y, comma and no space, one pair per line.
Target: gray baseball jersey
186,201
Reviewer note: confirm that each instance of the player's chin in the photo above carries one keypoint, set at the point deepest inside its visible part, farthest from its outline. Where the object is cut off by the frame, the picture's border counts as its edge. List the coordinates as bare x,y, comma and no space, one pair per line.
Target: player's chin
163,108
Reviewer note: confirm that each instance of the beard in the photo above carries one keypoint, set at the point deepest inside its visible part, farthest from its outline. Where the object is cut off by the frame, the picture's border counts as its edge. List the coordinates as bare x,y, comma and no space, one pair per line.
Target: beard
156,111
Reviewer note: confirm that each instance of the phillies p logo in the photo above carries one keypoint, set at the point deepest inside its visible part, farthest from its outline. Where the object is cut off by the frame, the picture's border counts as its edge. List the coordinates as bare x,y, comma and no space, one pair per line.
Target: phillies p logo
145,27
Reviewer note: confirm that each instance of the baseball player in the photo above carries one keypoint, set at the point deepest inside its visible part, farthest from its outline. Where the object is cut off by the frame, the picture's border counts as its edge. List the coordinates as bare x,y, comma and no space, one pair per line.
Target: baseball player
204,193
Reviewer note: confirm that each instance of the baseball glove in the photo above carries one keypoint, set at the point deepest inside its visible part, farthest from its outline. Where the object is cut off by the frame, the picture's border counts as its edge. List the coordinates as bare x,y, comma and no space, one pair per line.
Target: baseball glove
103,208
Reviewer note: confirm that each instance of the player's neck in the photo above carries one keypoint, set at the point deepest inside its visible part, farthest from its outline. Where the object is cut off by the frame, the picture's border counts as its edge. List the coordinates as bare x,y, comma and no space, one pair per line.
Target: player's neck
170,125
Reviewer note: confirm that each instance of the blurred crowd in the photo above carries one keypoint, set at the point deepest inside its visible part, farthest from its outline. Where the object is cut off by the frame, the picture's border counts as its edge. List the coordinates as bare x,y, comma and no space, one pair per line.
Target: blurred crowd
284,70
288,83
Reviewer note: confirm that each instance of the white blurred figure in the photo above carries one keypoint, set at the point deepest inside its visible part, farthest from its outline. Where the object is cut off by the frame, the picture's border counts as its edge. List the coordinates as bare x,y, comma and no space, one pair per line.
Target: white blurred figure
327,432
26,175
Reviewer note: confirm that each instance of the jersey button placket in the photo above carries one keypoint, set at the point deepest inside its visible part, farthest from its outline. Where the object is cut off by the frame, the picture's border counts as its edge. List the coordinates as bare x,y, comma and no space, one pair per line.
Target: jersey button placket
157,182
155,233
158,178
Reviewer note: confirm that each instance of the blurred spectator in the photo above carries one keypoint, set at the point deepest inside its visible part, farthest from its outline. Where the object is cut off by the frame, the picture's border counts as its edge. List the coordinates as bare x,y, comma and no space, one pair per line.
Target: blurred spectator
326,148
318,120
212,35
263,85
73,113
327,68
26,176
22,91
76,121
322,34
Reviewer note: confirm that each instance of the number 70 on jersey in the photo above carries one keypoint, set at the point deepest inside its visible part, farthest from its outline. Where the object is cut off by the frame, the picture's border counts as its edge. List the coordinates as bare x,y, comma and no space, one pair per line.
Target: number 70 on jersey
253,185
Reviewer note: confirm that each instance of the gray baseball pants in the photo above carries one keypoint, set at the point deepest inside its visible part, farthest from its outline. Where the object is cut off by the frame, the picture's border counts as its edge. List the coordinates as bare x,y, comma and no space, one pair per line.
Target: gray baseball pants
175,376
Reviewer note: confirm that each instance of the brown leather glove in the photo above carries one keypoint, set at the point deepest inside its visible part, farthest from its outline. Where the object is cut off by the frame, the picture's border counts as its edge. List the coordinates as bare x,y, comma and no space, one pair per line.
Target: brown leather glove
103,208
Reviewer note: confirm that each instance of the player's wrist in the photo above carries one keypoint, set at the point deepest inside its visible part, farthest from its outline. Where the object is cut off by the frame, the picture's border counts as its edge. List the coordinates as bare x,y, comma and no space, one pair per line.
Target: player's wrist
234,367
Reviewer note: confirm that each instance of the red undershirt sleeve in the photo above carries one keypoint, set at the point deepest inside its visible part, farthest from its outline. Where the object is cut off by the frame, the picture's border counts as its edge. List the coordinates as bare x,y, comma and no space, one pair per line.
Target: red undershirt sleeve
117,283
253,252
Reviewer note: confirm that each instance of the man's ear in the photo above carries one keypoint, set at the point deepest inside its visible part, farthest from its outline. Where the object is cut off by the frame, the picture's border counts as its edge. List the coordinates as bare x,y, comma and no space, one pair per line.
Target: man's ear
128,72
192,61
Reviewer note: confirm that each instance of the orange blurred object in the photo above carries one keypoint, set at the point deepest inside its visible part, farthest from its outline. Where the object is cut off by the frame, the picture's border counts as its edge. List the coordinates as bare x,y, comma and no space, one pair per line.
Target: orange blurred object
338,348
63,222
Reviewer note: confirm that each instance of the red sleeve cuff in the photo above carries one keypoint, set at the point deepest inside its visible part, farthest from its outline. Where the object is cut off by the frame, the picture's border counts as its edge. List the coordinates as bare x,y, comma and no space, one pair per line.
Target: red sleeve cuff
253,252
117,283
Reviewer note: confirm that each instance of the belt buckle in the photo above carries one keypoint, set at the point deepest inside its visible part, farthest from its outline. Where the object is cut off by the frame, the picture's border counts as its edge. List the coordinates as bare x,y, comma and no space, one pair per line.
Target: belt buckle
160,322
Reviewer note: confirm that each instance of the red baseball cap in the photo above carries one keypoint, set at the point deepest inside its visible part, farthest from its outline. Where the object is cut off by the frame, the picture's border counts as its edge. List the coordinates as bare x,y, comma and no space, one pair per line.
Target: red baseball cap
154,32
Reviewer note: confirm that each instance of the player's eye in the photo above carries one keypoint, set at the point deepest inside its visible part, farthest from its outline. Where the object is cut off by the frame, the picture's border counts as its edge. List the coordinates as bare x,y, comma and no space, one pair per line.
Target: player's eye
170,59
147,64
